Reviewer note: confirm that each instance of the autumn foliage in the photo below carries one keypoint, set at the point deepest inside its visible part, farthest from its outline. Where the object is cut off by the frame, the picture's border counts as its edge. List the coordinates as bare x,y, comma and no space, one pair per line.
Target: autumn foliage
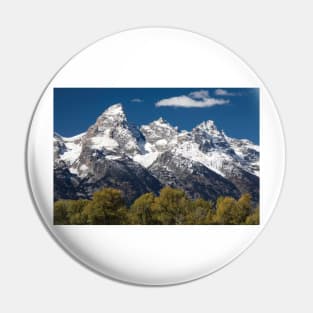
171,207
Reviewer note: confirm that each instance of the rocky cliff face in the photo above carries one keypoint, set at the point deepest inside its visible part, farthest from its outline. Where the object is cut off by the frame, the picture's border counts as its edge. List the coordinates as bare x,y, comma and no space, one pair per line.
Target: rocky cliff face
204,162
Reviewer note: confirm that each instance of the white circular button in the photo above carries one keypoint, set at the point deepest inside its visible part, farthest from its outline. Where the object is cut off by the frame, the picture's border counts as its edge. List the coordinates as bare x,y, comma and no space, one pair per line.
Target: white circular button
155,156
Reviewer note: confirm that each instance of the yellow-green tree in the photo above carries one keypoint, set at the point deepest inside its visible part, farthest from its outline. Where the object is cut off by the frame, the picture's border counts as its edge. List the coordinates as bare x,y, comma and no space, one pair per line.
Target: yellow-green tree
224,210
69,212
232,212
140,211
200,213
106,207
60,216
254,218
245,206
171,207
75,211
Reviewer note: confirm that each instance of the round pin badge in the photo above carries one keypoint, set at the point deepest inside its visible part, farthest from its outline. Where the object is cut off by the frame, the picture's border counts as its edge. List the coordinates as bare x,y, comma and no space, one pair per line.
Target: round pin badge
155,156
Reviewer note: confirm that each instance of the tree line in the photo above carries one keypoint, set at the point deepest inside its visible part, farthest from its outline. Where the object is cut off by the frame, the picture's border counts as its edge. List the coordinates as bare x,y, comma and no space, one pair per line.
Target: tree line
171,207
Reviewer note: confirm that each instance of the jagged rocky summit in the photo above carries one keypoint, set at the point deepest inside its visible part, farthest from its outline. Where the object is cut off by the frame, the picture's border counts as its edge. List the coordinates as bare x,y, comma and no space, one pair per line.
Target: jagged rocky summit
204,162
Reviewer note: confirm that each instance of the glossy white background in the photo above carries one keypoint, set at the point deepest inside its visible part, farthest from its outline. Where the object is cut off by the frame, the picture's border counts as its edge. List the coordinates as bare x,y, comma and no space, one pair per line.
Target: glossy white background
274,274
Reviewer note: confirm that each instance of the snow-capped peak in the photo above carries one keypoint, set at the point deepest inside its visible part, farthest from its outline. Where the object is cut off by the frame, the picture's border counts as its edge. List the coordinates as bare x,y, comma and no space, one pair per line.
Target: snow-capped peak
111,118
114,109
74,138
160,120
67,149
208,125
159,129
56,136
114,112
113,136
115,151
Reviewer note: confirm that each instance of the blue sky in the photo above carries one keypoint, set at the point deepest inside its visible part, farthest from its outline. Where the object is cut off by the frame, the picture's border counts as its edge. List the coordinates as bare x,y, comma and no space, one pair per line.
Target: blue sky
235,110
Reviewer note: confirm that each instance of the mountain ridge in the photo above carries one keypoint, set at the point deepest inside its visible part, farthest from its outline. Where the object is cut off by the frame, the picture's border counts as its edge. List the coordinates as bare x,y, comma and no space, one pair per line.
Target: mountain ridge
143,156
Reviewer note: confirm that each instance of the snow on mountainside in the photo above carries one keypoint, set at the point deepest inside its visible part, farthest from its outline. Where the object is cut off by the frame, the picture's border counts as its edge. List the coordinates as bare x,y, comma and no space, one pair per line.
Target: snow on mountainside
204,144
112,142
113,132
159,136
67,149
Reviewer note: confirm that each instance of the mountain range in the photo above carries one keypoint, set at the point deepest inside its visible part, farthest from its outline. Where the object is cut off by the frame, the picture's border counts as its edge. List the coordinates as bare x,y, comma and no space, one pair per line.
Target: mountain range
113,152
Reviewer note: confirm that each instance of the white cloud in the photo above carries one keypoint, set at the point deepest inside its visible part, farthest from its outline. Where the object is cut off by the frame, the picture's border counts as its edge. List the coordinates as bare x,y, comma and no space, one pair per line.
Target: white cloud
224,92
136,100
200,94
196,99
